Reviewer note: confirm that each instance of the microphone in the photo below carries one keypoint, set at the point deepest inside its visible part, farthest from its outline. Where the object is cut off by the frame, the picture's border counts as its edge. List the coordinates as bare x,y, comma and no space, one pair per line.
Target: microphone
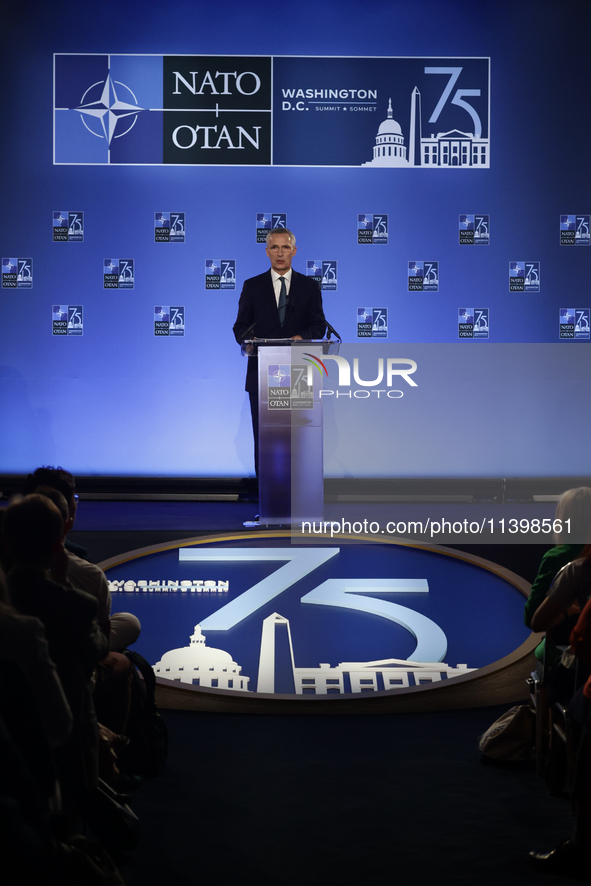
332,330
250,330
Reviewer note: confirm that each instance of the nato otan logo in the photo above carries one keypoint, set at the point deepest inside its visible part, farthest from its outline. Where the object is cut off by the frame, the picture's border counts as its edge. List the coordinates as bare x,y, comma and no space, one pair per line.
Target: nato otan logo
291,385
17,273
574,230
323,272
473,323
574,324
118,273
372,322
423,276
67,320
279,385
153,109
220,273
169,320
524,276
269,221
372,228
169,227
68,227
474,230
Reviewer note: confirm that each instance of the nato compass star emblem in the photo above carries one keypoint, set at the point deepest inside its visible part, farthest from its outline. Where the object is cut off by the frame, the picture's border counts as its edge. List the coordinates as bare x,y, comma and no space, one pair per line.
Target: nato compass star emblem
108,116
278,377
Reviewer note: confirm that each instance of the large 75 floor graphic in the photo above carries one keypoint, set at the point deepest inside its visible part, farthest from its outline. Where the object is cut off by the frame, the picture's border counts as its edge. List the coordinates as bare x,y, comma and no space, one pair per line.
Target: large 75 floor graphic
341,592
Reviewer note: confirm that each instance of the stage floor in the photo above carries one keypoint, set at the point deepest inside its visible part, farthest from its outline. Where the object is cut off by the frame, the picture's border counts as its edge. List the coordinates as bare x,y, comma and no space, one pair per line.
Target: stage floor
110,529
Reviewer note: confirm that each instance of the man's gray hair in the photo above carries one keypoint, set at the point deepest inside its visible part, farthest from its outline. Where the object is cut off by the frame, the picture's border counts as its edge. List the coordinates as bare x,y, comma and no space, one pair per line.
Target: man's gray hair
289,233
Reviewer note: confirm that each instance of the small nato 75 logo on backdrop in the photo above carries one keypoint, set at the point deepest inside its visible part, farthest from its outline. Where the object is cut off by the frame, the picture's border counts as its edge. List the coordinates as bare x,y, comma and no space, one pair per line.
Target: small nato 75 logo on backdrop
118,273
372,228
17,273
68,227
220,273
372,322
169,227
473,323
574,324
474,230
423,276
268,221
524,276
67,320
574,230
323,272
169,320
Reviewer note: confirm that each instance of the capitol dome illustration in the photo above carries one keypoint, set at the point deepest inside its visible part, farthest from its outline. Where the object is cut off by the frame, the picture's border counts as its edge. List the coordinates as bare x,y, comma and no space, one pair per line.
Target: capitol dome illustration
202,665
389,149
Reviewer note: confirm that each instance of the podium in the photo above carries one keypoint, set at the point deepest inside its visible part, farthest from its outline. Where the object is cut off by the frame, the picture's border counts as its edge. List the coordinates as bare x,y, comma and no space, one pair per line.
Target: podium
291,467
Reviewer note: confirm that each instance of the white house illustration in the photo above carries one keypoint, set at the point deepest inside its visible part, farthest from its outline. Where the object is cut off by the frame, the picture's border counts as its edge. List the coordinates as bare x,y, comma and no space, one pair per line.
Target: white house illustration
444,149
202,665
363,676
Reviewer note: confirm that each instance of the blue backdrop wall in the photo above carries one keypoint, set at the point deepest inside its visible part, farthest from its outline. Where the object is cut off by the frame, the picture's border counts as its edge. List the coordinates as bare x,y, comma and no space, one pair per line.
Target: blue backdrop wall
110,125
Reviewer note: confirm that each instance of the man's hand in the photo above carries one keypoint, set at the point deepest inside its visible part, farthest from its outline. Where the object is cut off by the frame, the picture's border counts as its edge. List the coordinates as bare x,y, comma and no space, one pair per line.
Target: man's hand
297,338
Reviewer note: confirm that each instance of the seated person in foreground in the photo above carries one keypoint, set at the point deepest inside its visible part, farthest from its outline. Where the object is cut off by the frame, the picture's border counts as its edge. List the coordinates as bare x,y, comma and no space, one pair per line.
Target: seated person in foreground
121,628
38,586
574,505
573,857
566,598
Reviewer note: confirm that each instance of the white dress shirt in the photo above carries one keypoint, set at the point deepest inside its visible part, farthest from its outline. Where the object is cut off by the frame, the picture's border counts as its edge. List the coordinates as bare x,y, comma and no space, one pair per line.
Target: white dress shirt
277,278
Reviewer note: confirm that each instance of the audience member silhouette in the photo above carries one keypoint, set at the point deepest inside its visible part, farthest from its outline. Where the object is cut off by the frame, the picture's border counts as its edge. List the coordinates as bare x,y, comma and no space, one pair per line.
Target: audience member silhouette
121,628
38,586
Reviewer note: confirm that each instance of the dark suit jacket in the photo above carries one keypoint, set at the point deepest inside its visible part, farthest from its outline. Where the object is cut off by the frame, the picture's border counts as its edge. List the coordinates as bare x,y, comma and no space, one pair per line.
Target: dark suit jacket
303,316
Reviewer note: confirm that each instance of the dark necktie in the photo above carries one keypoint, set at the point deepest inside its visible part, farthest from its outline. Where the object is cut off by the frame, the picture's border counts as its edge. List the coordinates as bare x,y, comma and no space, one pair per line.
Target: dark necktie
282,301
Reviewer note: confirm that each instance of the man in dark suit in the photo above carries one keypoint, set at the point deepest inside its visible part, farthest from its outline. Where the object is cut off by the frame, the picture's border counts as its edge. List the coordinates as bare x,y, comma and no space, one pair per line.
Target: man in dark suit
277,304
